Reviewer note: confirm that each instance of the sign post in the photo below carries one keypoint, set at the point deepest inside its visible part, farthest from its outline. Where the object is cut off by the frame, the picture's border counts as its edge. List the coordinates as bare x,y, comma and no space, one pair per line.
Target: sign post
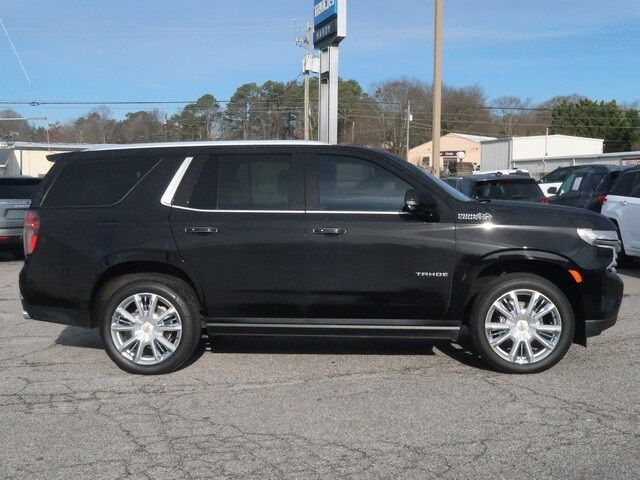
330,28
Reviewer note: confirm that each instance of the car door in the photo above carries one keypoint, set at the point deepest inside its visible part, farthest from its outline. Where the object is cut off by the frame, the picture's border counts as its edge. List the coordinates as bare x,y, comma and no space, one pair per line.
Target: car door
239,224
367,260
626,202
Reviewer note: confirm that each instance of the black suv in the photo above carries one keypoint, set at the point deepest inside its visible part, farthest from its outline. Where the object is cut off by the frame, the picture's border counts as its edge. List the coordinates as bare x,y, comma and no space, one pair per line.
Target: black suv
154,245
587,186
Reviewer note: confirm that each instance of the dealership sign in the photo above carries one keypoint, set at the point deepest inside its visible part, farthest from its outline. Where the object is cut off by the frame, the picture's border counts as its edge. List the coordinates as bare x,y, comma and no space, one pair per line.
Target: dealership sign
323,10
629,162
330,22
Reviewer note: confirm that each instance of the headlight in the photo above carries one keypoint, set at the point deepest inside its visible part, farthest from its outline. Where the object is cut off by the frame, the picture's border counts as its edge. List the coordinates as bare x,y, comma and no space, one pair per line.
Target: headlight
600,238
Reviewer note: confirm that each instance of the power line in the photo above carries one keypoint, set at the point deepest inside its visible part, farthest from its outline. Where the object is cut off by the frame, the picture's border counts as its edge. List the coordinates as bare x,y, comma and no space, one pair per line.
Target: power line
15,51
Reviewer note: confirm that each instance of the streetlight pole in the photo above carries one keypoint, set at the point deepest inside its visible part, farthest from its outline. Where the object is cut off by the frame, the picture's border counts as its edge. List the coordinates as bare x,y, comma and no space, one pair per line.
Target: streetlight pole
437,87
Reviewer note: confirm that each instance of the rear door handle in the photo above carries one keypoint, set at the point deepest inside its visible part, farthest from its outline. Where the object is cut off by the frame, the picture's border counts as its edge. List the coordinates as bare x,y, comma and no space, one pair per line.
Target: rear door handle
332,232
201,230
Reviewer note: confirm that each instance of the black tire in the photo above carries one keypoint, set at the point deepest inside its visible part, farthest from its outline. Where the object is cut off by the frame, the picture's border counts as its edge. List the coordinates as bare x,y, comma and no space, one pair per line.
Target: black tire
176,291
492,292
18,253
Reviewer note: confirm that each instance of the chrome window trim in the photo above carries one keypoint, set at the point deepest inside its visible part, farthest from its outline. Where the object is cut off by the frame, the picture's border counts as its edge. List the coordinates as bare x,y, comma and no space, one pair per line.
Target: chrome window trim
212,144
172,188
323,212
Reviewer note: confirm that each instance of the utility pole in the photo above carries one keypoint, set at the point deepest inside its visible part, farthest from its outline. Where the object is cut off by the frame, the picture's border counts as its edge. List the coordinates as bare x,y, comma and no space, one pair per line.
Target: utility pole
307,67
409,120
437,87
307,103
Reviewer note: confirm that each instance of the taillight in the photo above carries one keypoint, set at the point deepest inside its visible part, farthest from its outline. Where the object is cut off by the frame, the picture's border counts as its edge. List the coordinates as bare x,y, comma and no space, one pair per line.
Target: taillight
30,231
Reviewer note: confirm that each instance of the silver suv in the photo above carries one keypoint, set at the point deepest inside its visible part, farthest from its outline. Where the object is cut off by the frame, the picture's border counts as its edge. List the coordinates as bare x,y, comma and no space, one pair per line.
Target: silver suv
15,198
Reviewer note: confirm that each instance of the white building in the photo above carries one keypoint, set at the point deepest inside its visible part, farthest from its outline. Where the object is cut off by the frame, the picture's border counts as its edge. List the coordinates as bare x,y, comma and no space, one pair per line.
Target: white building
29,158
539,167
502,153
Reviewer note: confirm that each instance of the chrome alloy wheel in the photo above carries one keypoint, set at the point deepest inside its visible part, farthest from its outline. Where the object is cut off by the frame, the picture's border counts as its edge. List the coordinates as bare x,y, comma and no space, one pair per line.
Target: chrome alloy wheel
523,326
146,328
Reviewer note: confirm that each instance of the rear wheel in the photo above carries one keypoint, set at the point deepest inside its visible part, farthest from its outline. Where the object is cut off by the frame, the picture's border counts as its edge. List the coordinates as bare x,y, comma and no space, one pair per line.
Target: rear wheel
522,324
150,325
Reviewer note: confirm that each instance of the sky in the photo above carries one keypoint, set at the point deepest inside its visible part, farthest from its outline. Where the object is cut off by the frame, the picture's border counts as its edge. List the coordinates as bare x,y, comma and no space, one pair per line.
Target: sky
162,50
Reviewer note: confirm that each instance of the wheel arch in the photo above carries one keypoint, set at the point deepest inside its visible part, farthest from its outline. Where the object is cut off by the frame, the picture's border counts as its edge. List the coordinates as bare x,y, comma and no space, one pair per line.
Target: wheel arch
119,270
550,267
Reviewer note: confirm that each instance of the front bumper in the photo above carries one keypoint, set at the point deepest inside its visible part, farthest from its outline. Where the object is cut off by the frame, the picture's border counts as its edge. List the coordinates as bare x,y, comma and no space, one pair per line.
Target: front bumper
606,315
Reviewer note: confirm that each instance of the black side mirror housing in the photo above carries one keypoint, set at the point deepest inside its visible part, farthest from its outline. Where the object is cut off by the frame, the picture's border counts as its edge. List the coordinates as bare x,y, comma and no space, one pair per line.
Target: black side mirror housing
552,190
421,203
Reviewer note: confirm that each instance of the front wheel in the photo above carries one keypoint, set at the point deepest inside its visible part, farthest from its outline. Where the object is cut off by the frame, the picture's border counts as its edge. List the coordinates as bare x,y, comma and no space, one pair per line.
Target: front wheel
150,325
522,324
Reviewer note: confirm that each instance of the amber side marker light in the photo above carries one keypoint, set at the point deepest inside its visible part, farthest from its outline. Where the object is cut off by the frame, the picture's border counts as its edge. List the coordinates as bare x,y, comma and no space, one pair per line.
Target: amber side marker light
576,275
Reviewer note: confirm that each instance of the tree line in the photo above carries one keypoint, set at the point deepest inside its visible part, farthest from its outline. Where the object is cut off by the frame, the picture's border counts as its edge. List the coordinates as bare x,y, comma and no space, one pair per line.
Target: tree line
378,117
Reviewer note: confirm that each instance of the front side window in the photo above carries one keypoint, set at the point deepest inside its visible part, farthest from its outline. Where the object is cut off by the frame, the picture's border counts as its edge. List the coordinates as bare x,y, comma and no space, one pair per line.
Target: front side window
260,183
354,184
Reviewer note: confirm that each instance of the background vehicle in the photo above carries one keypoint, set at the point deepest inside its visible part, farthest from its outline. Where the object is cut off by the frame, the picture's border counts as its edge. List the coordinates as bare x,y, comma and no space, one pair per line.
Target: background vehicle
550,183
513,171
587,187
498,187
15,197
622,206
151,244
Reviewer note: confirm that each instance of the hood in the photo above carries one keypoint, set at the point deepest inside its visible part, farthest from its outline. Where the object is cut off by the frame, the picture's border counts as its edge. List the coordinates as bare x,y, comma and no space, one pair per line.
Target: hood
541,214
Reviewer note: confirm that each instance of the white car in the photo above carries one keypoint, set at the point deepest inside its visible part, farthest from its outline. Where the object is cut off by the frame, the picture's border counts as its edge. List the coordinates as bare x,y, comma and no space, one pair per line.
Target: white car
622,206
550,183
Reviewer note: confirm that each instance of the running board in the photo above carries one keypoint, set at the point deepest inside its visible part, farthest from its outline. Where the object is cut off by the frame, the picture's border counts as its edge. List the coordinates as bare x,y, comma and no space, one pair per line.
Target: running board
333,330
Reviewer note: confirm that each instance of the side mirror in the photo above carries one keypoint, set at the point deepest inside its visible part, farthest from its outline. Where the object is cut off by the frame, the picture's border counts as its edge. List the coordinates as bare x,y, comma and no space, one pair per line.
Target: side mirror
421,203
552,190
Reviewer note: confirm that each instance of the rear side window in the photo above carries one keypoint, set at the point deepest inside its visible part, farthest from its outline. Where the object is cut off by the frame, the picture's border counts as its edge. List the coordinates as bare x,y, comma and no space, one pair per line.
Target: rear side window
623,186
254,183
18,190
635,188
353,184
97,183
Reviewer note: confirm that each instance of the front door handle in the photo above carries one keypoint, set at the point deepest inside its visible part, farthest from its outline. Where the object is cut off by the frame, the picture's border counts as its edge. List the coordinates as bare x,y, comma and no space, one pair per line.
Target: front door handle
201,230
331,232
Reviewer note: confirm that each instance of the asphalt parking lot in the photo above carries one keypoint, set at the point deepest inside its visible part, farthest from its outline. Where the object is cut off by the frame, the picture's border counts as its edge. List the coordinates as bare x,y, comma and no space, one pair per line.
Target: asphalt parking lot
331,409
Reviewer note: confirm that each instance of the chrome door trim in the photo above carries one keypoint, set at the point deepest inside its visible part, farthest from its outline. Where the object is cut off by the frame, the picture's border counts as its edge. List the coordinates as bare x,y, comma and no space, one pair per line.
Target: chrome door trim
172,188
325,326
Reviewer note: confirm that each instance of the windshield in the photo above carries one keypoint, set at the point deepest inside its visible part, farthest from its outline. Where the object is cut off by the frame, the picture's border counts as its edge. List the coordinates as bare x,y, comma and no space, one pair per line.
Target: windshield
507,190
557,176
581,182
18,191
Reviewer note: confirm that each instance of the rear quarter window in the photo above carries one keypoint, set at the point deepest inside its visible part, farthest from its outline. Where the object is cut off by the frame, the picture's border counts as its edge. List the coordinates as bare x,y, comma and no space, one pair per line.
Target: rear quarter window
94,183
